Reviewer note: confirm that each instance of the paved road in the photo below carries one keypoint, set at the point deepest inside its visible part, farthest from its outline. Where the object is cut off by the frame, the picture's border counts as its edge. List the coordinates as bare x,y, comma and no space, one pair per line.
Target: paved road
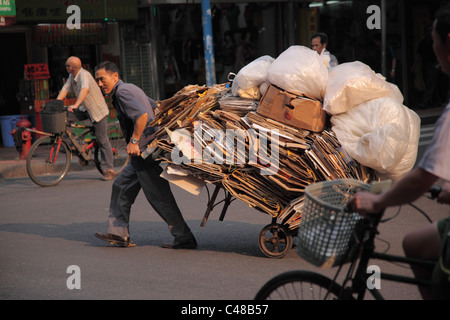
43,231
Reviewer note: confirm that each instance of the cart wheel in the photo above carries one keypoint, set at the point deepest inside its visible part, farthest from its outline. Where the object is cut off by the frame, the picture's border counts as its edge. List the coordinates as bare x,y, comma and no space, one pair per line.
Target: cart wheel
275,240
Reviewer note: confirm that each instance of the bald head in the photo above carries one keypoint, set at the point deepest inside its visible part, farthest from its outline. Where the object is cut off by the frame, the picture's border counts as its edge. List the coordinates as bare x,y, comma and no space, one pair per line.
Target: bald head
73,65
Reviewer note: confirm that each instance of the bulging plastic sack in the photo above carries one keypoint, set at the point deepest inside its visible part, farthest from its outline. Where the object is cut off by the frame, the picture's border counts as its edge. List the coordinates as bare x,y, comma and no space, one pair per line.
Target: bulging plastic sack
302,71
352,83
263,87
251,76
381,134
407,162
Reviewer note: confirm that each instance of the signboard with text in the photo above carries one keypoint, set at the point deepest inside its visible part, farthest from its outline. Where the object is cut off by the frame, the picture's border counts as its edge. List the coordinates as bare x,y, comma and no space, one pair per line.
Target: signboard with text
37,71
55,11
7,8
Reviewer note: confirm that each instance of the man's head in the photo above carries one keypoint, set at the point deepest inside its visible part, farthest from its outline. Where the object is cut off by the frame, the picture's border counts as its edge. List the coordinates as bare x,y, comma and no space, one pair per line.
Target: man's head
441,37
73,65
106,75
319,42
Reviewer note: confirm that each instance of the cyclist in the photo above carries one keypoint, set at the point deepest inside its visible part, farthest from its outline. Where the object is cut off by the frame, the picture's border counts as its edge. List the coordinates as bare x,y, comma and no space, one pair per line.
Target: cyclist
90,104
429,241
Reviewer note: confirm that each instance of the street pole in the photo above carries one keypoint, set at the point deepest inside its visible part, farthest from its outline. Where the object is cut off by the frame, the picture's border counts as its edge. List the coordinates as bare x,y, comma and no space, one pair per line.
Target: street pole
208,43
383,39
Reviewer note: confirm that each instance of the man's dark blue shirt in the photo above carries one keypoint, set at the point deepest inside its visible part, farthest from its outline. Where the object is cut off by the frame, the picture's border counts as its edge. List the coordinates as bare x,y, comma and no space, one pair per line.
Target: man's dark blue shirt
131,103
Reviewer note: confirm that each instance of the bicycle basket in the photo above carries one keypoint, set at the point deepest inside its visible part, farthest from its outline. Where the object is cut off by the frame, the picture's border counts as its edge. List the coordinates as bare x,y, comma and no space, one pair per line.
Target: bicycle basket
53,117
326,232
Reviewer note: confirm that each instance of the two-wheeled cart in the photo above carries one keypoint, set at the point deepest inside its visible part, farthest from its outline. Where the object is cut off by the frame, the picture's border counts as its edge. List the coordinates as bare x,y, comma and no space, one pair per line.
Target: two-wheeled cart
275,239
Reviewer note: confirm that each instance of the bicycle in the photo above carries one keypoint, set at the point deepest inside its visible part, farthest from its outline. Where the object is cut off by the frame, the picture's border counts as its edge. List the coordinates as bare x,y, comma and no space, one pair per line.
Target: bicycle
49,157
331,236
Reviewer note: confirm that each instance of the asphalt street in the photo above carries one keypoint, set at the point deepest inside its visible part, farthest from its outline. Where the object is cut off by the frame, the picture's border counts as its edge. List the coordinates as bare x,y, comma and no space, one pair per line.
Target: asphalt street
44,231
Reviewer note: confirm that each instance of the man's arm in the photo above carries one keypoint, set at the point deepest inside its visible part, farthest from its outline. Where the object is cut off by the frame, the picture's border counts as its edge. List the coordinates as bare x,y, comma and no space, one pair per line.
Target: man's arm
83,93
62,95
139,126
406,190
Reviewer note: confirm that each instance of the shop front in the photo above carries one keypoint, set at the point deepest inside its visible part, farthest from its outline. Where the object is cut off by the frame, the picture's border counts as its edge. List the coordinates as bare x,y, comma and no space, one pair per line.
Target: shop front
40,35
158,44
391,36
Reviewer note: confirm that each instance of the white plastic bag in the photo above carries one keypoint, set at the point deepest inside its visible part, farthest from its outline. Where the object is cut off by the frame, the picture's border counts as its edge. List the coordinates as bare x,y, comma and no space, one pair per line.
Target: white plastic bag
352,83
300,70
263,87
251,76
381,134
409,159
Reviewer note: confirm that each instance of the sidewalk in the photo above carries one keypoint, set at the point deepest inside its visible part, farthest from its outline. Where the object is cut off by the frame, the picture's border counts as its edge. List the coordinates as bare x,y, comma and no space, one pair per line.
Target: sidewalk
11,166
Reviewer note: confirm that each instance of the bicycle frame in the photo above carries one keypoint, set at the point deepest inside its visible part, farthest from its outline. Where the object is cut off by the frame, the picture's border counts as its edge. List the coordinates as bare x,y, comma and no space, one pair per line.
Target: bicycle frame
58,148
368,253
398,278
84,151
358,272
88,147
56,152
53,153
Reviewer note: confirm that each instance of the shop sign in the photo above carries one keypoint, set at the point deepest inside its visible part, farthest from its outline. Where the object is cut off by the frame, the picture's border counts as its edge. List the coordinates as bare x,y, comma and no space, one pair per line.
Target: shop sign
5,21
55,11
61,35
37,71
7,8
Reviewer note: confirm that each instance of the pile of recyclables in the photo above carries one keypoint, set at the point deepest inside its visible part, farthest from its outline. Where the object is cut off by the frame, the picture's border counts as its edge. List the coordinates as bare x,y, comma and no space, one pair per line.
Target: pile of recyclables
283,124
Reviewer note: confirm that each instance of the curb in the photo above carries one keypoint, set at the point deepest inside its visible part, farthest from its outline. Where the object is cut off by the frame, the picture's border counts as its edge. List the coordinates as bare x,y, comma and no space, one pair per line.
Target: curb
19,170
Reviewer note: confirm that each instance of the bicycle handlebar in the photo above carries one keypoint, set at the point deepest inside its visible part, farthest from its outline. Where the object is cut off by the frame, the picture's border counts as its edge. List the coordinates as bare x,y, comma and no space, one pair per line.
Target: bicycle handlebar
434,191
433,194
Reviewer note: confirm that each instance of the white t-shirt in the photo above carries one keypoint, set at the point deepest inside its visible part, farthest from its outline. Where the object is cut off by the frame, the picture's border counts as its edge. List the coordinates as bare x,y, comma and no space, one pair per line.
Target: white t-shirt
436,159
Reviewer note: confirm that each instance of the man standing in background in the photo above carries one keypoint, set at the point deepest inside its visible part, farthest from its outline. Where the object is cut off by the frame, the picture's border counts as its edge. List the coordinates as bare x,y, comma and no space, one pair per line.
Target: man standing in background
319,43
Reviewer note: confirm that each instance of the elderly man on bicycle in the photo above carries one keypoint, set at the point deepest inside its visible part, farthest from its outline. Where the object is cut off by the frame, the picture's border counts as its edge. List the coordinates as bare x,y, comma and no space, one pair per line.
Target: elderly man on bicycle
431,241
90,104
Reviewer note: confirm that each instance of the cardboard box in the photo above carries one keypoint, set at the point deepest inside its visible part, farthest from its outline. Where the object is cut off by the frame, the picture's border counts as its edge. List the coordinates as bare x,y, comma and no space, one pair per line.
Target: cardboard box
292,109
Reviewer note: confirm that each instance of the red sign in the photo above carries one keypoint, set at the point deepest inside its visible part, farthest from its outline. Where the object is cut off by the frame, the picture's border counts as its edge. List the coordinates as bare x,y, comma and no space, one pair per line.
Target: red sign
37,71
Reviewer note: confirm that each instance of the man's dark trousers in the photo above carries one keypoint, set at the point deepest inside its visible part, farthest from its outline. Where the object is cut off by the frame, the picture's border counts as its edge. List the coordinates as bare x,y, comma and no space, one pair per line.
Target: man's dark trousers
106,153
145,174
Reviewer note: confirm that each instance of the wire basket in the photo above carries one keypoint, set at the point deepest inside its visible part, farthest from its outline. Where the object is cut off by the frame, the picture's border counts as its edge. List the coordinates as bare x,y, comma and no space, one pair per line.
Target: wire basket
327,232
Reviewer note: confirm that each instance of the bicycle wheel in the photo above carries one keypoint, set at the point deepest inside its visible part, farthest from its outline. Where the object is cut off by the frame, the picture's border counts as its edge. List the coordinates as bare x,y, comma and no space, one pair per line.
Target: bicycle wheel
119,147
48,161
299,285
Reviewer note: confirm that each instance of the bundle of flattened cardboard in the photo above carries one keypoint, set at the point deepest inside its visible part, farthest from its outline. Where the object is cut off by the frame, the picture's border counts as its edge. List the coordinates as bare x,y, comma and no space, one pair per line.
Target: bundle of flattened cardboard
295,121
306,150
